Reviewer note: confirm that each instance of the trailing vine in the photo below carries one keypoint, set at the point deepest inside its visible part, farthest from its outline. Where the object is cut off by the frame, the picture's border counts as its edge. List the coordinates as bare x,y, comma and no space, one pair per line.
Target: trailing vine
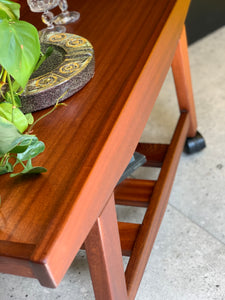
19,57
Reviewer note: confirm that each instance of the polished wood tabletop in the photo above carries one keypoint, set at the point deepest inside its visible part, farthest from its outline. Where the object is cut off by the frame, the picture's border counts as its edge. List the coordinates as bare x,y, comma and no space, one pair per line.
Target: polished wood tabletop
45,219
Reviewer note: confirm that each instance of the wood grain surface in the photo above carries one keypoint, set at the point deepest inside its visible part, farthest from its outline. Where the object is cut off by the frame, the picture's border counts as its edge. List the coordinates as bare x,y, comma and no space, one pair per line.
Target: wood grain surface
90,141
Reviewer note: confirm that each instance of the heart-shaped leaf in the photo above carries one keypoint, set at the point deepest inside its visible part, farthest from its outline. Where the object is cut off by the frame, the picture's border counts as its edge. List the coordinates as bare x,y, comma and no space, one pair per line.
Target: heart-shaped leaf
18,119
23,143
35,148
8,136
30,118
21,49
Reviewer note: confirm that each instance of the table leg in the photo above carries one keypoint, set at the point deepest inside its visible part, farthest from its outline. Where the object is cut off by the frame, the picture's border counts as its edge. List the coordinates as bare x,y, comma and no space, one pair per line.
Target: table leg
182,79
105,256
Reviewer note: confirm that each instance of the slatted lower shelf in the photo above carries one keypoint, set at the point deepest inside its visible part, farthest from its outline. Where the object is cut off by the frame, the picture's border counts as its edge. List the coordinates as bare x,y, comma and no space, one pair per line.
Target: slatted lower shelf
137,239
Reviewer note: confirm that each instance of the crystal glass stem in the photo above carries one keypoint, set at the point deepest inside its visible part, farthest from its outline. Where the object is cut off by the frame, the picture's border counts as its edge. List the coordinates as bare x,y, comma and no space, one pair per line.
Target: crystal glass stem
66,16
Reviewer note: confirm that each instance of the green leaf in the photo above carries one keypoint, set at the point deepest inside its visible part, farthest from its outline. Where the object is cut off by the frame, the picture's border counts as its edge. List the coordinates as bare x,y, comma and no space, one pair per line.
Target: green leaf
11,140
8,97
23,143
44,56
17,100
16,87
35,148
3,170
30,118
7,168
3,15
33,170
18,118
8,136
10,8
21,49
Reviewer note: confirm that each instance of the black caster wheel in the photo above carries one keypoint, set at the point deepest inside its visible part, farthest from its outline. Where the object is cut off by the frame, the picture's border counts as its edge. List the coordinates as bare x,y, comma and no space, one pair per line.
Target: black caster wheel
194,144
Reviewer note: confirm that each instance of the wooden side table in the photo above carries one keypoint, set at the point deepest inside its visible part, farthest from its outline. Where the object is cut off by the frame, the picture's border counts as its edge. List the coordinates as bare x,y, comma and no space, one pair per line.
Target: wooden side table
46,219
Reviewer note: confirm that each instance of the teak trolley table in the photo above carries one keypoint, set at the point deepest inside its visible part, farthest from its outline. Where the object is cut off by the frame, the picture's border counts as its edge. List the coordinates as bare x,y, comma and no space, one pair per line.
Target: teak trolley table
46,219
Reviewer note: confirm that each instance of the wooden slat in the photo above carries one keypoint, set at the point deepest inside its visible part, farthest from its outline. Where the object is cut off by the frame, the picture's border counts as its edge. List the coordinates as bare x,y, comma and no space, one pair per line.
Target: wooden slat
128,233
134,192
154,153
156,209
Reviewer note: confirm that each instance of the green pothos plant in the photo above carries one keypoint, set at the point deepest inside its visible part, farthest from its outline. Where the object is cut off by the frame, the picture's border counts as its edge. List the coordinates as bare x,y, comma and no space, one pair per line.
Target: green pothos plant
20,55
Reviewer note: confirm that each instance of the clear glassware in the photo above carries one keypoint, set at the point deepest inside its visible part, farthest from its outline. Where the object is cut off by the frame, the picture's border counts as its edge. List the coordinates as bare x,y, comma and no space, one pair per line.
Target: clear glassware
66,16
47,17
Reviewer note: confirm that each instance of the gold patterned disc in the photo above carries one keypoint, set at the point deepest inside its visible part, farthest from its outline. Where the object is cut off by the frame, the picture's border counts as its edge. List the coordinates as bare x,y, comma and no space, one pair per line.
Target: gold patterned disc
68,69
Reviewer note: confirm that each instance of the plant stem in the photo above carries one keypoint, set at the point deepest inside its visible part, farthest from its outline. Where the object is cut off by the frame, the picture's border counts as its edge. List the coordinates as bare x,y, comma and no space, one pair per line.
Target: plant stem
18,161
4,158
12,95
2,70
2,80
48,113
4,75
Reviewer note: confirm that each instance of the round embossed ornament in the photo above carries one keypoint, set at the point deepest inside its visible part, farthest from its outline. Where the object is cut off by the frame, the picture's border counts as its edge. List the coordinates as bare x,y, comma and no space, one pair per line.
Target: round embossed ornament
68,69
